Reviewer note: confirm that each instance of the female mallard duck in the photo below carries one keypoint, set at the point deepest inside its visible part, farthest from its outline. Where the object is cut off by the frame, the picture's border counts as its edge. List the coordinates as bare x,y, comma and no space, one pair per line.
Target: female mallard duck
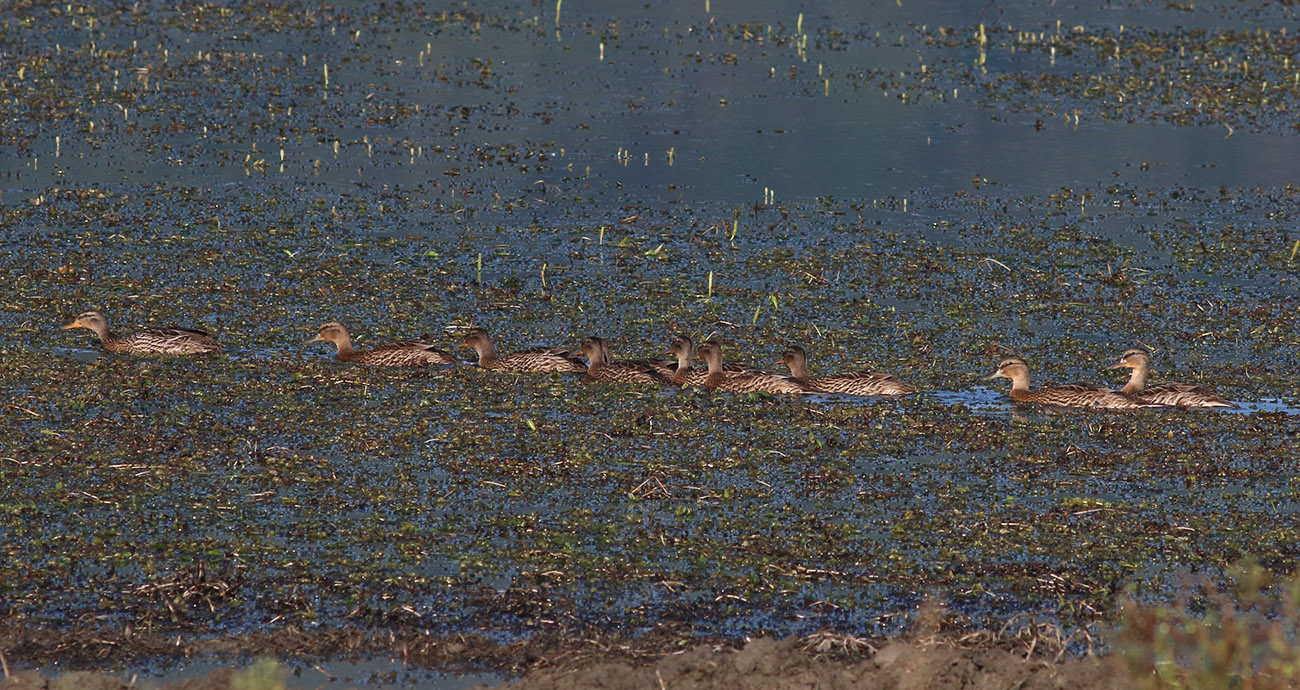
533,359
1065,395
400,354
852,383
749,380
1169,393
679,372
153,341
602,367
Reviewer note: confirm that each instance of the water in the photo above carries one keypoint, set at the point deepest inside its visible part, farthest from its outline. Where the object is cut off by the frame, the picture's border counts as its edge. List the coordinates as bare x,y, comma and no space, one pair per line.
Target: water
765,118
707,176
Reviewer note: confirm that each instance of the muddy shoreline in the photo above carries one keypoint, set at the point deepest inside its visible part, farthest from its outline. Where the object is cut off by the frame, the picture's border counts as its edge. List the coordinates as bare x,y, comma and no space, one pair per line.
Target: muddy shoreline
940,661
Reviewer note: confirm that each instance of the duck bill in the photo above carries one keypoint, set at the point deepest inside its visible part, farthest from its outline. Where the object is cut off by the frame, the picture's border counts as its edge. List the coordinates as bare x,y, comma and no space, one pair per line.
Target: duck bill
1117,365
69,326
992,376
316,339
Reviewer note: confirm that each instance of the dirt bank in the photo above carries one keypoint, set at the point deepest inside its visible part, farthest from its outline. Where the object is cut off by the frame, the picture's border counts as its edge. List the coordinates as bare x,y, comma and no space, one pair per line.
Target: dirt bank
765,663
761,664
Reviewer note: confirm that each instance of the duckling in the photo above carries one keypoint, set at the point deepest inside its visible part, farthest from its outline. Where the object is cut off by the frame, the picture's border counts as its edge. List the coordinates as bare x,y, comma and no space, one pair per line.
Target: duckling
603,368
748,381
1168,393
152,341
399,354
1065,395
543,359
852,383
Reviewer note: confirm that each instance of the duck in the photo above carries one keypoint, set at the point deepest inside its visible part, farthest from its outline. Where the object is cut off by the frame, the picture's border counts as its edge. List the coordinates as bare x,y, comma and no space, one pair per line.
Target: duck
1168,393
406,353
152,341
749,380
851,383
602,367
543,359
1065,395
679,371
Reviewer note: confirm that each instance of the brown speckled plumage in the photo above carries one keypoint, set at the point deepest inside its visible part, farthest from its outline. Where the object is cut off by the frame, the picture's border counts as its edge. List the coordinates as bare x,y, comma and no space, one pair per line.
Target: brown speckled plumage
1065,395
399,354
749,380
851,383
152,341
542,359
1168,393
603,368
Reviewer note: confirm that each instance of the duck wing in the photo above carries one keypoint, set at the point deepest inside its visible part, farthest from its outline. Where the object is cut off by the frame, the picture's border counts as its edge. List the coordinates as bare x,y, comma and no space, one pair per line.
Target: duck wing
544,359
631,371
433,354
864,383
171,340
752,381
1182,395
1089,395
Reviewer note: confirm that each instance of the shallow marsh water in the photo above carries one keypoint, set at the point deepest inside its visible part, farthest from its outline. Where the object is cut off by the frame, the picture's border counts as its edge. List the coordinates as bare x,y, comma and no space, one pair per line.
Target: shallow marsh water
479,166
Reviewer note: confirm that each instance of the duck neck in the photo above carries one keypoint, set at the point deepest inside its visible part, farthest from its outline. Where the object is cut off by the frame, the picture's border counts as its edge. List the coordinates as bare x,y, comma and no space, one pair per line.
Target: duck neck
105,335
487,352
595,360
683,367
798,367
344,344
715,377
1019,383
1137,380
